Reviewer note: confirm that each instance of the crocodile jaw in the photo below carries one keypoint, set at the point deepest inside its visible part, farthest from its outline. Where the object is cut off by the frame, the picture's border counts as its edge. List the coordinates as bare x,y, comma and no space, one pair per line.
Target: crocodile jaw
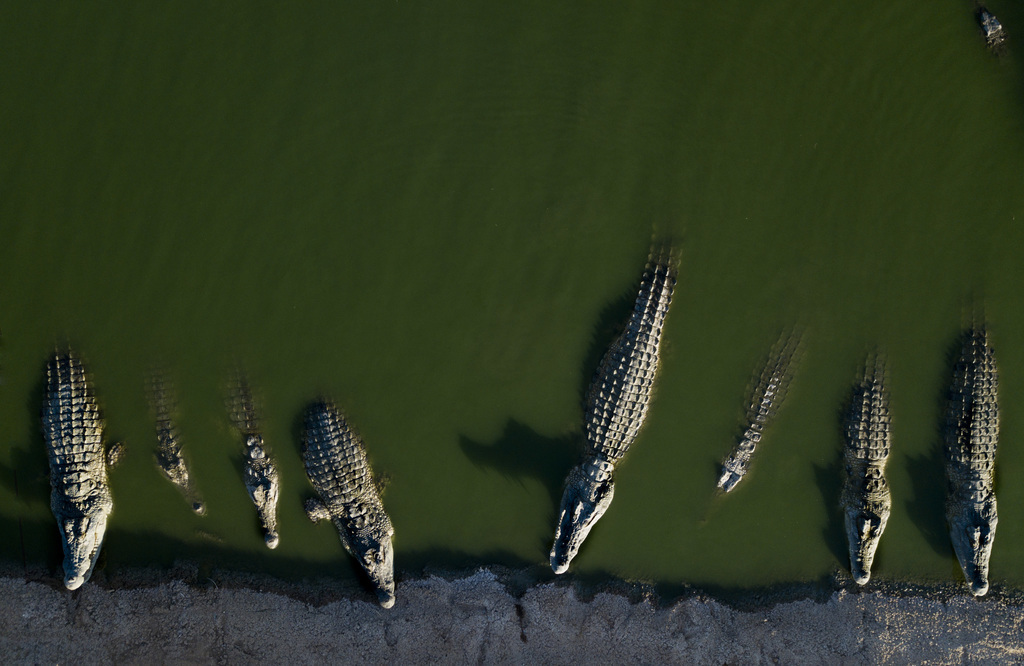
377,556
864,529
588,494
972,529
82,538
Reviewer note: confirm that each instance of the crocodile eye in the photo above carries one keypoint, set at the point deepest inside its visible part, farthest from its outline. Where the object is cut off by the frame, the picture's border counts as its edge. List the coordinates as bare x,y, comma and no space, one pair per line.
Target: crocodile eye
978,536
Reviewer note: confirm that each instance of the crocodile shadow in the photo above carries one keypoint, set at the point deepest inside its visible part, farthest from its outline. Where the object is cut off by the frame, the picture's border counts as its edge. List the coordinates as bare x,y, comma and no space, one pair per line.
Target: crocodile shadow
926,507
28,476
520,451
148,559
828,478
523,453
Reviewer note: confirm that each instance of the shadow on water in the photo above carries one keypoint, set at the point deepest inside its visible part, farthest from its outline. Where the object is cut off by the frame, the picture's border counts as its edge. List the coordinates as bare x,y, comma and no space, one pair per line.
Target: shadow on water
611,322
158,559
27,476
829,480
925,507
523,453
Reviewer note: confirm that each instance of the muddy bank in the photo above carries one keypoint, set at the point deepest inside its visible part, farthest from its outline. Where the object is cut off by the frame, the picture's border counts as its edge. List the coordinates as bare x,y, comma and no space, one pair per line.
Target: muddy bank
474,618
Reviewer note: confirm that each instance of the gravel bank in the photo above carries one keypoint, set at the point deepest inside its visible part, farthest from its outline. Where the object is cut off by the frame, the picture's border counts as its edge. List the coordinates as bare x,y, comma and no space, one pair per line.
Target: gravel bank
474,619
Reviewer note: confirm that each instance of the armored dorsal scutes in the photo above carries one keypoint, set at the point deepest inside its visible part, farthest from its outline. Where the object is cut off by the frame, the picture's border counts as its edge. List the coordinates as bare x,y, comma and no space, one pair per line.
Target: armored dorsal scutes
971,433
80,493
262,480
616,407
866,499
337,467
768,393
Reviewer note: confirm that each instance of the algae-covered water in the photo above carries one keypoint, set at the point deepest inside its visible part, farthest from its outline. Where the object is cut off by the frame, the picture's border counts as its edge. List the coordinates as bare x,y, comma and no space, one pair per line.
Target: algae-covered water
437,213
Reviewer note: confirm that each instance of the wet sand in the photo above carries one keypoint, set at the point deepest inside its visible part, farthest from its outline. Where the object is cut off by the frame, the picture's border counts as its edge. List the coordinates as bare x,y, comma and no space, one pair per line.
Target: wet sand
480,617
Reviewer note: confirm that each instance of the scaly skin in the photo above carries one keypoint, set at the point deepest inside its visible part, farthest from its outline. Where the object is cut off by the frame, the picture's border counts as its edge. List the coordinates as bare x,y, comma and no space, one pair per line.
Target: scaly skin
617,402
80,497
767,397
866,498
337,467
169,458
971,434
991,28
261,478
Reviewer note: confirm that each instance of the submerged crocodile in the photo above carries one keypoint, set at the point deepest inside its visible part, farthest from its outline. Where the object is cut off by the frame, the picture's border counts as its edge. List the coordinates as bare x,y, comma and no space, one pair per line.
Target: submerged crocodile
80,497
971,433
169,458
616,406
765,400
337,467
261,477
995,35
866,499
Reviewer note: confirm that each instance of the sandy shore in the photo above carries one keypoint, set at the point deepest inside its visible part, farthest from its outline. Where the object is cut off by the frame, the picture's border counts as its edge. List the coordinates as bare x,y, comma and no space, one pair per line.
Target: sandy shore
473,618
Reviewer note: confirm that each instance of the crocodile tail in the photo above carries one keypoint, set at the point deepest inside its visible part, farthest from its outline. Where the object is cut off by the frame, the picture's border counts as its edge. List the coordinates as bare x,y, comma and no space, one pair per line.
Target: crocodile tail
666,256
772,385
242,407
161,396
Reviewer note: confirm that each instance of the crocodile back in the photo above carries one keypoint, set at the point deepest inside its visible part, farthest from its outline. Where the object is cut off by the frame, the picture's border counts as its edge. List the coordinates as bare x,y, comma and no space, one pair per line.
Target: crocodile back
620,391
971,430
73,432
868,437
334,456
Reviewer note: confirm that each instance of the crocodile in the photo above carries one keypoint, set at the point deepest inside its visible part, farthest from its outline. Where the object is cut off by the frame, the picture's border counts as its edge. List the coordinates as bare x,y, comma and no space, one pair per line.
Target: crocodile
769,392
80,496
616,406
336,465
169,458
260,474
971,433
991,28
866,498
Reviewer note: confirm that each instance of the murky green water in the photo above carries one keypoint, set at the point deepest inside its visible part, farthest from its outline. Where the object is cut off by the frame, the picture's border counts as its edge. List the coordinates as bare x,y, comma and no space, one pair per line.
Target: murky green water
436,213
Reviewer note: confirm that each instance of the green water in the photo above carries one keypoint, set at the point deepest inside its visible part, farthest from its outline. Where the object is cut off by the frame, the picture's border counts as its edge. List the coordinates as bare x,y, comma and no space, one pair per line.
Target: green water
437,212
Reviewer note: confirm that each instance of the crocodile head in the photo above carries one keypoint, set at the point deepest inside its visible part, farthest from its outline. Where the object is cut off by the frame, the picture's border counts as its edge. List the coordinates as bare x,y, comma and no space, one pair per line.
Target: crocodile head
864,527
82,537
588,494
374,551
972,528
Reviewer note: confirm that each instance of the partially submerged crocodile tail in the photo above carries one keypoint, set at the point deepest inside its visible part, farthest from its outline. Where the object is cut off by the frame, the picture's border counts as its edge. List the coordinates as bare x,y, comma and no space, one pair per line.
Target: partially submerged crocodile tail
666,254
766,395
242,405
169,457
